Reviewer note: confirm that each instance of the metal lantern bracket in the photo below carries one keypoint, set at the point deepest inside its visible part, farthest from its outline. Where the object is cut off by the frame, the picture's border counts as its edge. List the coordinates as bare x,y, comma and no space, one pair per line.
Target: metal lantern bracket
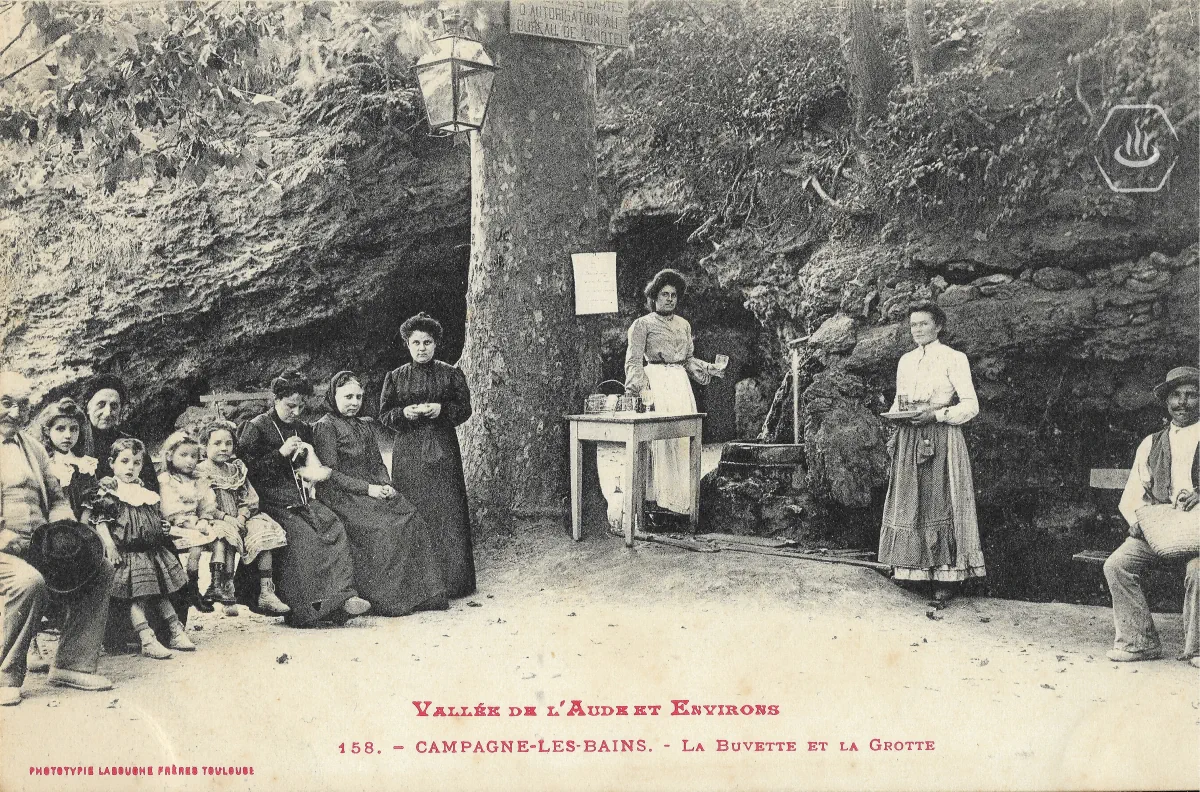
456,79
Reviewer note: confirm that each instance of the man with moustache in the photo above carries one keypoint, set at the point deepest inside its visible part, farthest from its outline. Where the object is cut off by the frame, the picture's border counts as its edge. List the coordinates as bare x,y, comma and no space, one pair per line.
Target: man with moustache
1166,469
30,496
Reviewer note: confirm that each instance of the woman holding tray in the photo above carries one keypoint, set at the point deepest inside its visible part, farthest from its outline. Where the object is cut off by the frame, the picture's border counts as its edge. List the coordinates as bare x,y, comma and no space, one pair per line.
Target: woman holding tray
929,528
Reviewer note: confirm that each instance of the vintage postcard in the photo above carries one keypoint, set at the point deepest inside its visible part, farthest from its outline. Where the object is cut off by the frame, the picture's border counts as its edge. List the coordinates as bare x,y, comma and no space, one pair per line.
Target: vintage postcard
599,395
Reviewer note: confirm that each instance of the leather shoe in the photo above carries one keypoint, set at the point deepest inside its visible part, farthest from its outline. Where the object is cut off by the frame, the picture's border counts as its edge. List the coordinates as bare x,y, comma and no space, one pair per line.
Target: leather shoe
78,680
34,662
1122,656
10,696
356,606
1195,662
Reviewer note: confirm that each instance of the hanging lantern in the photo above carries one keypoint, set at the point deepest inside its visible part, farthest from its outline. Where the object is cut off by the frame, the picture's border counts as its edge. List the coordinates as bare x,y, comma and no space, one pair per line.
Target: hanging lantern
456,80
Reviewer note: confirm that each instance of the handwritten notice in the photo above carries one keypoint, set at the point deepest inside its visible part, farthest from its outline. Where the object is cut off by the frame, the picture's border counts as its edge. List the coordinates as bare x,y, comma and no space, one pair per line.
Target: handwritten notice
590,21
595,283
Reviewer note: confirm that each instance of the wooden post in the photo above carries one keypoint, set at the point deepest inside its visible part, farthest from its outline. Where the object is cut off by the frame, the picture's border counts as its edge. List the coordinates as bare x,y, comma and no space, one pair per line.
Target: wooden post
795,396
794,346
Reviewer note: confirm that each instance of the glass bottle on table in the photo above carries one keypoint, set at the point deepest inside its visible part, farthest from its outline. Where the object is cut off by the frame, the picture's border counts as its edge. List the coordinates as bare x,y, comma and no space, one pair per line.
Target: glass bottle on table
647,397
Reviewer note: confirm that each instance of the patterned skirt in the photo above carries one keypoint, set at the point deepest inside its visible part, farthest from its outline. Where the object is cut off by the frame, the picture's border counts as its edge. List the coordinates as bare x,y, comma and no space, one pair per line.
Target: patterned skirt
929,527
262,534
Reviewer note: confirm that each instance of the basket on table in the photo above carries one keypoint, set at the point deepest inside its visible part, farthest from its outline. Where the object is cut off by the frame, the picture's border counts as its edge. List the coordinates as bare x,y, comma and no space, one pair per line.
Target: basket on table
1170,532
610,402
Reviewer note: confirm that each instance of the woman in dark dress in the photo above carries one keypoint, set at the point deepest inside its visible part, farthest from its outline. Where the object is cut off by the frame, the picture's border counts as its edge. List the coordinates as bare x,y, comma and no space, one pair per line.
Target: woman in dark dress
315,572
103,400
395,556
422,402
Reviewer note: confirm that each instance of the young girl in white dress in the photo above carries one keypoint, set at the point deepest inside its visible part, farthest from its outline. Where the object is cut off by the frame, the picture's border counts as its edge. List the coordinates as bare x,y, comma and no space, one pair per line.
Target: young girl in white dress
236,500
190,507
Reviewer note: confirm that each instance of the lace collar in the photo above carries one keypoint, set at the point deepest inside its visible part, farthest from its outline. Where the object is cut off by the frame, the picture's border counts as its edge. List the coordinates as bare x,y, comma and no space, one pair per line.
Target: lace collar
230,476
129,494
84,464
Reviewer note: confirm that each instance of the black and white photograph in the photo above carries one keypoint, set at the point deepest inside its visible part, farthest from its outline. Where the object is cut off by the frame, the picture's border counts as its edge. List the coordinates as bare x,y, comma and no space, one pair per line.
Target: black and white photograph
547,395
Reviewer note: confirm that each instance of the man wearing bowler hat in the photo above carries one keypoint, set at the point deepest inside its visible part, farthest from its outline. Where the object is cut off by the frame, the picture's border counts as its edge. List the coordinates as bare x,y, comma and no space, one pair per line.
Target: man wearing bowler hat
1166,469
30,497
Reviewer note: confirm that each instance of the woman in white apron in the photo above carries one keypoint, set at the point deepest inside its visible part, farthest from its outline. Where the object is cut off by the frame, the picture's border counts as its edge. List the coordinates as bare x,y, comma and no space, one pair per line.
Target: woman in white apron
658,362
929,529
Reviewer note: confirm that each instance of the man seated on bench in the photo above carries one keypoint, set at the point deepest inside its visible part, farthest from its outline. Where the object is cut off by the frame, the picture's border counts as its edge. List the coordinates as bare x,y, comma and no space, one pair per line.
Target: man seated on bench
1165,469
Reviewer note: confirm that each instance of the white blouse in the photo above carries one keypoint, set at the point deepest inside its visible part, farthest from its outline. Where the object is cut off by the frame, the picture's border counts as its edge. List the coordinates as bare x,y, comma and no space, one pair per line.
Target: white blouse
655,339
934,374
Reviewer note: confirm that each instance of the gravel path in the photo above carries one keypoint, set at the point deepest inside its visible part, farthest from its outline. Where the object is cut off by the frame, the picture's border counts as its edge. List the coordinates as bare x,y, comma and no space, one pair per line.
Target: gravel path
1012,695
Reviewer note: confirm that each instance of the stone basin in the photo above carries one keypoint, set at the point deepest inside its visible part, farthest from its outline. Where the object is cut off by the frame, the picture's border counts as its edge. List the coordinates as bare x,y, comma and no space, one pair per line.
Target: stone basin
764,454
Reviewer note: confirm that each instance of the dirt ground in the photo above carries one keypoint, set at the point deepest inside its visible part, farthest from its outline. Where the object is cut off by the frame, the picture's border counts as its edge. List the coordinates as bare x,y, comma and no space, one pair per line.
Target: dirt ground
1012,695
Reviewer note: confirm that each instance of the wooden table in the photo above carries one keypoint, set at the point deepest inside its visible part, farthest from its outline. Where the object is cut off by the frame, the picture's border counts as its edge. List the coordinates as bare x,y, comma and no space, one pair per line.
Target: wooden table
634,430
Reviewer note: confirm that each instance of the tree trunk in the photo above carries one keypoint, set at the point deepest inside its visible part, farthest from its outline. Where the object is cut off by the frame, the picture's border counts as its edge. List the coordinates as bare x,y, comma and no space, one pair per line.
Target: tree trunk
918,39
534,201
871,76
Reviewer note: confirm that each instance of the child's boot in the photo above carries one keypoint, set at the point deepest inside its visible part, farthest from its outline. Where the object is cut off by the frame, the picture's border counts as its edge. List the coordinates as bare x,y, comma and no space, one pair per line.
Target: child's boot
268,600
151,647
216,573
228,596
179,639
192,592
228,599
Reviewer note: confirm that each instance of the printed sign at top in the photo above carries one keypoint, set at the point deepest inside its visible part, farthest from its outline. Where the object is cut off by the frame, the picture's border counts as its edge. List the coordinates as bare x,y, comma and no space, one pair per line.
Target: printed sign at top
590,21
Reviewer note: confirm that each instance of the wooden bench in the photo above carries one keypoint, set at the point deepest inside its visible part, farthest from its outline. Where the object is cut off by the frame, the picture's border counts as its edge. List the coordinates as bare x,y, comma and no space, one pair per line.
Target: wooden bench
1102,479
218,401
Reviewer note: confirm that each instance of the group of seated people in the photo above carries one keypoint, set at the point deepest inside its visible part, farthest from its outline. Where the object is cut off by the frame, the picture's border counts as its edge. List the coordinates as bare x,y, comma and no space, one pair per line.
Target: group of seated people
300,521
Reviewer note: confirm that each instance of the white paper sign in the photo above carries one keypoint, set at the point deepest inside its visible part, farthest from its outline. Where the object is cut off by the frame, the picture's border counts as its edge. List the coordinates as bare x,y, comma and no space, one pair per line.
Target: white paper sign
595,283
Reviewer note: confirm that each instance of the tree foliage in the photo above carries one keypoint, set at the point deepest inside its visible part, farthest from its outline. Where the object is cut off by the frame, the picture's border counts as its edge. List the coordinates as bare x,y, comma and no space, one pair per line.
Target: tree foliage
741,100
146,93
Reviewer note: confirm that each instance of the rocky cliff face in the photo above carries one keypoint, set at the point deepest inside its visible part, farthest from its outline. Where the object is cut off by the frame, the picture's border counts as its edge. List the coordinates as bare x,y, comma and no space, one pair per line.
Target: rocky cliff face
211,290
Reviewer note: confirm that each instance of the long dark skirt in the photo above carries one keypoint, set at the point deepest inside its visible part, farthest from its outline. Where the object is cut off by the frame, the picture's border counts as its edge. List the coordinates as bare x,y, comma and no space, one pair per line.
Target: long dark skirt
427,469
314,573
396,564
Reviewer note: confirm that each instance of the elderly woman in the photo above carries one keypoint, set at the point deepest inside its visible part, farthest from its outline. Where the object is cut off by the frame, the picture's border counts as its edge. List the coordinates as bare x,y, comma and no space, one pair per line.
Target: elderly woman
929,529
423,402
395,561
104,398
315,570
658,362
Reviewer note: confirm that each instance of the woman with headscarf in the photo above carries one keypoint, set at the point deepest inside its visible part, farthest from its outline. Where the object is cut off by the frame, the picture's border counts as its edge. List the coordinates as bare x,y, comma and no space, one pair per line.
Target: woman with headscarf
929,530
423,402
395,560
658,362
103,400
315,571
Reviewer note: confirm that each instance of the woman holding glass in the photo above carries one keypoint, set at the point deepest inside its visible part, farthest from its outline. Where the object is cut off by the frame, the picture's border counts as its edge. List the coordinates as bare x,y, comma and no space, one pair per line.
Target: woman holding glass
929,530
658,363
